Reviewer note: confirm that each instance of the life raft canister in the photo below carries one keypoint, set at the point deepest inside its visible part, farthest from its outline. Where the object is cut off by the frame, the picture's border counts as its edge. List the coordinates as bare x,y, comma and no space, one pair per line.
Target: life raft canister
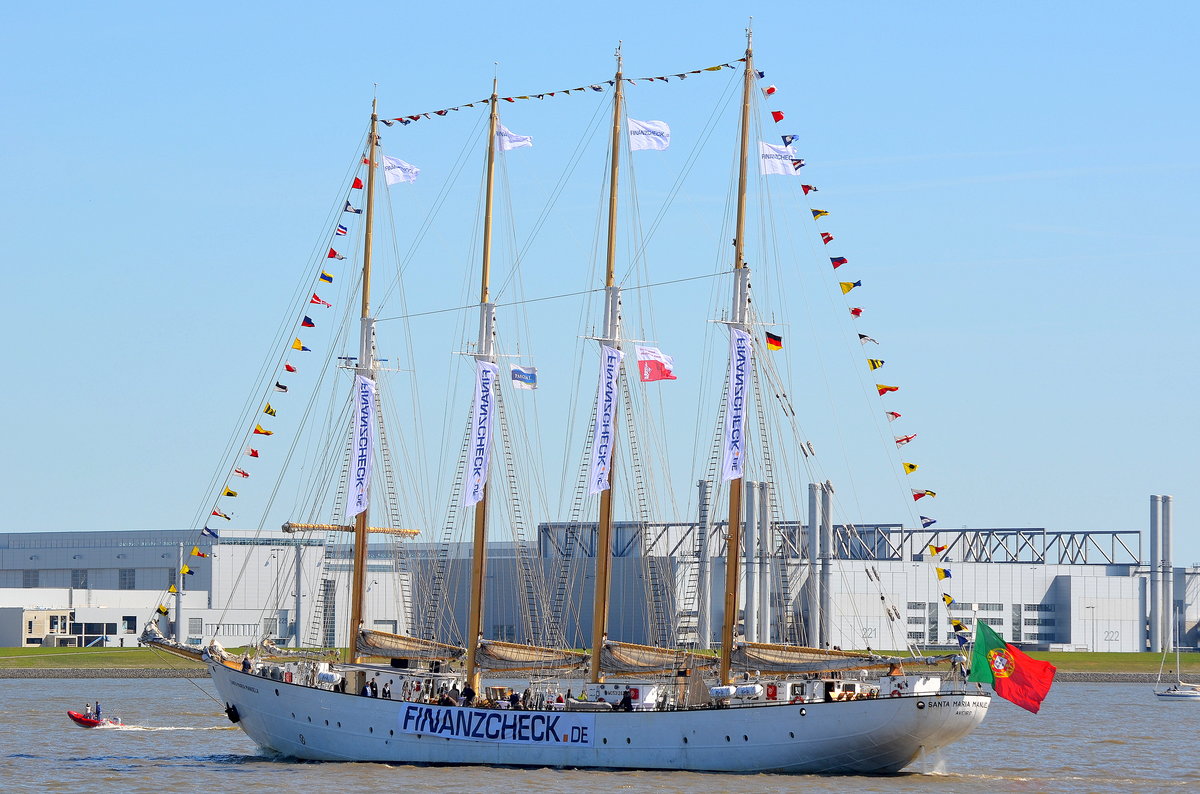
772,692
895,693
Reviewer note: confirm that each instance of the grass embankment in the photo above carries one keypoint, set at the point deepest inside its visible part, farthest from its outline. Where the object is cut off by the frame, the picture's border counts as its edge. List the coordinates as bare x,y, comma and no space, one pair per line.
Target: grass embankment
91,658
142,658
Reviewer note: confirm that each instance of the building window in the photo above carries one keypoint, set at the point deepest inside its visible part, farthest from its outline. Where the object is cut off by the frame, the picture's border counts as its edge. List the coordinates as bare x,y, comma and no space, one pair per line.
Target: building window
1016,623
195,626
270,627
29,578
1039,607
917,635
79,578
991,607
127,579
917,605
992,621
1039,621
172,577
130,623
916,621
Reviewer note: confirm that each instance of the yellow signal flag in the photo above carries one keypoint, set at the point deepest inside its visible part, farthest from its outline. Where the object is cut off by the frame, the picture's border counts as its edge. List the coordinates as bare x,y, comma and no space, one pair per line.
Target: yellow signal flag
935,550
874,363
197,553
172,589
947,598
269,411
229,492
186,571
162,610
849,285
957,625
909,468
259,431
943,573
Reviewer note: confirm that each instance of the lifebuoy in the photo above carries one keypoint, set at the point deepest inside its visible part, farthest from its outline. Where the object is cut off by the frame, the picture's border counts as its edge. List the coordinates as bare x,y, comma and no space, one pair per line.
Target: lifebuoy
795,698
772,692
895,693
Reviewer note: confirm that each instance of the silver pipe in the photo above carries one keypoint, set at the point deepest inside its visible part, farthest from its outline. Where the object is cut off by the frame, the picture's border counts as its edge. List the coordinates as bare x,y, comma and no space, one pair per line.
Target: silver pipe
1155,575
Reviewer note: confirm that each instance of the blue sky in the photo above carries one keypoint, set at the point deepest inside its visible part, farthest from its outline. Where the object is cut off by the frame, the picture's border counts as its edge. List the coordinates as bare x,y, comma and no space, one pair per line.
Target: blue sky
1015,183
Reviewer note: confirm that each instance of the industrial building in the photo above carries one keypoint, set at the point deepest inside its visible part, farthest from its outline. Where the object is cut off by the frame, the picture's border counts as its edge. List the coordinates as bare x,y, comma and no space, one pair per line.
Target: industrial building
812,583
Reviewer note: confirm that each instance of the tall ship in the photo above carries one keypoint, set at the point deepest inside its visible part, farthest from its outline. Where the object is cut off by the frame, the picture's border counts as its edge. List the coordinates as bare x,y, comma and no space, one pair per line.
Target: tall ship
420,694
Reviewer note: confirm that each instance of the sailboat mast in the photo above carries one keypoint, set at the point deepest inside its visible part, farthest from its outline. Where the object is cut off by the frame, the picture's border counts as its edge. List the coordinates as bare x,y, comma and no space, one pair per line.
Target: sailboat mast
366,366
612,333
485,352
738,320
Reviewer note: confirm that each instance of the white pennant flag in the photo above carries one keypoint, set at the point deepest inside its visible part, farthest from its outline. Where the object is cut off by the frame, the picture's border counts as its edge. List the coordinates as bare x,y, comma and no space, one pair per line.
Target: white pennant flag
396,170
364,443
648,135
507,141
777,159
479,452
606,414
741,361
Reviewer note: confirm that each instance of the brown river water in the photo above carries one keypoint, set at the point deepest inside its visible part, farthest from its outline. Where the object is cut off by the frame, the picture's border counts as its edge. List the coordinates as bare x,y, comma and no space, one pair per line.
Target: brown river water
1088,738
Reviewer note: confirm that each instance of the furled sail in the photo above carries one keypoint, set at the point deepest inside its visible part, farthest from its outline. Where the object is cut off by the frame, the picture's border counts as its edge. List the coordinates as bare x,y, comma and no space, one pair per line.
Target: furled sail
400,646
758,656
496,655
625,657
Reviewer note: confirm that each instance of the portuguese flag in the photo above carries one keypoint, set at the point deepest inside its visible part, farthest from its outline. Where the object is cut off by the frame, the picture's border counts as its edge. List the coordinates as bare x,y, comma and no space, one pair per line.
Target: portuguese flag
1013,675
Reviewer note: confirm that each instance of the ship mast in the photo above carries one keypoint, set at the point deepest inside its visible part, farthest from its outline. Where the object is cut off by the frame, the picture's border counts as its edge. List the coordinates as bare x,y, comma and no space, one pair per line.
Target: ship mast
739,319
611,337
366,368
485,351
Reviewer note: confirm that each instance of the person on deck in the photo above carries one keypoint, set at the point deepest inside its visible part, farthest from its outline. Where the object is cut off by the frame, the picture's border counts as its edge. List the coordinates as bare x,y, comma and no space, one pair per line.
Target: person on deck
246,663
387,690
87,711
626,703
468,695
366,691
455,695
374,687
96,715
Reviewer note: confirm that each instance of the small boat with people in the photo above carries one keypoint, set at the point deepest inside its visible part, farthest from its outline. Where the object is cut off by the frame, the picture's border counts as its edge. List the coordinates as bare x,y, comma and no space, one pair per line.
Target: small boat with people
92,720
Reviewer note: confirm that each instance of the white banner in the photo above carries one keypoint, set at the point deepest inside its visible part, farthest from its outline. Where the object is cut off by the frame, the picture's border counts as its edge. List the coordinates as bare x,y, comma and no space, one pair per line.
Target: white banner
542,728
364,443
741,360
507,141
396,170
479,452
648,135
606,416
776,159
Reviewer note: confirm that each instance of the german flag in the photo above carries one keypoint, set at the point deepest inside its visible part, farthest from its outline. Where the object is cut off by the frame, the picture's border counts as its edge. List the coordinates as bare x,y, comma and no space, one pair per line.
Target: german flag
774,341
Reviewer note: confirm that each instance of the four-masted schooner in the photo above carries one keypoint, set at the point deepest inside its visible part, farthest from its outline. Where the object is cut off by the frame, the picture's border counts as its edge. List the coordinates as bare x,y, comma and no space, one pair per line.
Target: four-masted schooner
754,708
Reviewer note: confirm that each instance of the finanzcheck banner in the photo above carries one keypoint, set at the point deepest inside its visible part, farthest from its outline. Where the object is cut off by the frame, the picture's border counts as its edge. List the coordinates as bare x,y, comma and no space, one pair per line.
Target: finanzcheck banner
364,443
479,453
741,360
606,414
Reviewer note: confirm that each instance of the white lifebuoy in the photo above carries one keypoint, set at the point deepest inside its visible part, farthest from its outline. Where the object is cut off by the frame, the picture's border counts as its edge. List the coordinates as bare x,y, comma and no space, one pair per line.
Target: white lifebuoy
895,693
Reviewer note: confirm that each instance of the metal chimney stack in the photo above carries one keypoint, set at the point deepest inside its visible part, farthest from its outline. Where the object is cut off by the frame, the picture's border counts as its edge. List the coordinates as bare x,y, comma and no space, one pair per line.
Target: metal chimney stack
1155,576
1167,585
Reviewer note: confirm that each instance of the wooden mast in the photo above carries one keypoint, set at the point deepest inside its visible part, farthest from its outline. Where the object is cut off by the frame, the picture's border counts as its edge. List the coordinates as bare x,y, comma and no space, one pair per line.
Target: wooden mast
733,549
358,576
612,334
484,352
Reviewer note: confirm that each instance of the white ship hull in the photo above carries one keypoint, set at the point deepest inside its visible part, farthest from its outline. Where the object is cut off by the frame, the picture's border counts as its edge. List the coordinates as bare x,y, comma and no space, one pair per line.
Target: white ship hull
881,735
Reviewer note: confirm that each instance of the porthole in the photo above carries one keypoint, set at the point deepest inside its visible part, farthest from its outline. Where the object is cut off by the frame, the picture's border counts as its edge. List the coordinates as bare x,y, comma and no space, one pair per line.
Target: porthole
685,740
604,740
369,729
310,718
276,693
792,734
628,740
391,732
339,723
745,738
803,712
726,738
293,715
326,723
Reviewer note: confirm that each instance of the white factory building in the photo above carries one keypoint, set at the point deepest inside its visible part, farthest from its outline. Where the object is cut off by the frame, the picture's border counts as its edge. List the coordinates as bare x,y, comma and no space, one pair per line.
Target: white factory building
866,586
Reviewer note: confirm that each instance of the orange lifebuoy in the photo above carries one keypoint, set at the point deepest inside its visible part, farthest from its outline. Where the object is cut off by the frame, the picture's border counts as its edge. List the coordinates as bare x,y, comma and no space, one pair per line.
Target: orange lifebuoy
895,693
